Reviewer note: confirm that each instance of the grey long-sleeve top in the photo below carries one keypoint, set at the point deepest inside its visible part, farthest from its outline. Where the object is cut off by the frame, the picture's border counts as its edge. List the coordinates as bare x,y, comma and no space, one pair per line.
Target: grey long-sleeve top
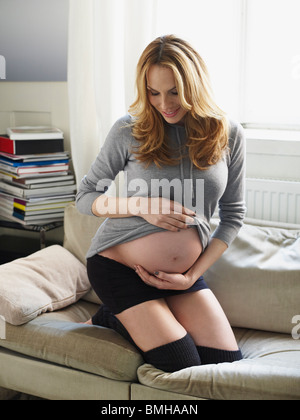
220,185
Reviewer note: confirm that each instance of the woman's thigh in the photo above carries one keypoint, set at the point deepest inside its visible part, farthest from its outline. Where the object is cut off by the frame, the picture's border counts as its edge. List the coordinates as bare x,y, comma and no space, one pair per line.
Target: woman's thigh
151,324
202,316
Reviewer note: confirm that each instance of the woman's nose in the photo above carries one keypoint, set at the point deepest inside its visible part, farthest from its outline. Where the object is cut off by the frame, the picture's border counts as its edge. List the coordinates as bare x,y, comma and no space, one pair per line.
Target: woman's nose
165,102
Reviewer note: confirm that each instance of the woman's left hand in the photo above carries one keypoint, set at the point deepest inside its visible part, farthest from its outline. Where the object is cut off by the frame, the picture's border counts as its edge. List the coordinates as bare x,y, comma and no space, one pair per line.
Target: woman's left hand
164,281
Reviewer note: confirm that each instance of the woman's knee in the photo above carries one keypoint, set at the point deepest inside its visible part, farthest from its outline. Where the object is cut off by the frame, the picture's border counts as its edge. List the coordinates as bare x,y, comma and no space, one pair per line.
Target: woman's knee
174,356
152,325
202,316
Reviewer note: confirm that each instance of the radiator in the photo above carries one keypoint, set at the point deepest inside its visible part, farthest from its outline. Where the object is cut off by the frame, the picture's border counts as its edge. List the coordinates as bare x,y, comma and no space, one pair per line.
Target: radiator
276,201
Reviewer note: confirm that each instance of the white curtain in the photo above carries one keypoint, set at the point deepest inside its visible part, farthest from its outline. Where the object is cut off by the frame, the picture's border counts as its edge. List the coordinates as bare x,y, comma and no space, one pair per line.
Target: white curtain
106,38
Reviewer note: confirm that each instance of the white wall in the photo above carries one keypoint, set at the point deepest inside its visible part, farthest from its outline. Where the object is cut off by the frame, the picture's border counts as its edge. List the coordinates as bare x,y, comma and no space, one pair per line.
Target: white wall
34,104
34,39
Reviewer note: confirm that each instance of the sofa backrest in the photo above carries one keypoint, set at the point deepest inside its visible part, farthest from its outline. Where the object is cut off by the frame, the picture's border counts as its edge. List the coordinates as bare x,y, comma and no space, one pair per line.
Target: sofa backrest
257,280
79,230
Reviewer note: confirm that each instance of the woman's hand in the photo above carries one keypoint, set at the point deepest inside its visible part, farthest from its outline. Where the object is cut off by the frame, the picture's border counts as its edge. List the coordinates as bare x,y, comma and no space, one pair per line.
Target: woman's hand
166,214
165,281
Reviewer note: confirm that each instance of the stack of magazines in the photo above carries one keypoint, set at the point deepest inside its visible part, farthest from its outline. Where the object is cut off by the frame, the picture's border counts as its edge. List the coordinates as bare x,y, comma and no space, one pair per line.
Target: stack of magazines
35,182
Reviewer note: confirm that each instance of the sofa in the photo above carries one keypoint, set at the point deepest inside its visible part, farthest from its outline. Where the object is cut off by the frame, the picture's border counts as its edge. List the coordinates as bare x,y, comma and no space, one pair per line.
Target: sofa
47,351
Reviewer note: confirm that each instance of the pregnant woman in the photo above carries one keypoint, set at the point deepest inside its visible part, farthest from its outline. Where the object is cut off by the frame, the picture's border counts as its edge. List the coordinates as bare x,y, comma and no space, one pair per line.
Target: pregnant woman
182,158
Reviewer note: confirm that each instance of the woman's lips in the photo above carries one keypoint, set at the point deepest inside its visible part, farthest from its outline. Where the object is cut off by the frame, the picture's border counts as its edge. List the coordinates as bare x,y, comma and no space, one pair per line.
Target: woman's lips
171,114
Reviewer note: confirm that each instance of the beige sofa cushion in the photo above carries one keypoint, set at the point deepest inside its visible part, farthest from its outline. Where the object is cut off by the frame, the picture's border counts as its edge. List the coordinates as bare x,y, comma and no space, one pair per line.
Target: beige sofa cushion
59,338
257,281
79,231
45,281
270,371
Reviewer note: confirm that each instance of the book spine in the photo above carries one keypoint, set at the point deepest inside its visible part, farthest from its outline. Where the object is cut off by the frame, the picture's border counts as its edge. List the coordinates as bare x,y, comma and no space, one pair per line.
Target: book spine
7,146
28,147
12,189
19,206
34,164
41,170
34,133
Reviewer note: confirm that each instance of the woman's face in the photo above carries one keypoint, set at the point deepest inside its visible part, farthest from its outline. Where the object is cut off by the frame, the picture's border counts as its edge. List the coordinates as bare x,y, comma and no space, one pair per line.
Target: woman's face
163,95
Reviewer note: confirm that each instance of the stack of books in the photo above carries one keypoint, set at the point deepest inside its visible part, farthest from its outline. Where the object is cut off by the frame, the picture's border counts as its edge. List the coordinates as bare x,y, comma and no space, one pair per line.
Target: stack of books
35,182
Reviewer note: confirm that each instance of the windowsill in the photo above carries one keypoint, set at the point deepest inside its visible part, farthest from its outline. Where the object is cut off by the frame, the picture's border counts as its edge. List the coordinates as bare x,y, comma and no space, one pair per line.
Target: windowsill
271,134
273,142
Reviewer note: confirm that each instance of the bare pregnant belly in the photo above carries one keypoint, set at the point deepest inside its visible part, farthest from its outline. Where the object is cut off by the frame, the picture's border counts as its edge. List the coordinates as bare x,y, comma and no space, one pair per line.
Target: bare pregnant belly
171,252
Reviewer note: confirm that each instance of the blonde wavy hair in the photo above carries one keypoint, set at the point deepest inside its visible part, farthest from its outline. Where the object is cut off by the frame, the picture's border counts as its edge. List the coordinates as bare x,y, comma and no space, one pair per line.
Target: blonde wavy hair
206,124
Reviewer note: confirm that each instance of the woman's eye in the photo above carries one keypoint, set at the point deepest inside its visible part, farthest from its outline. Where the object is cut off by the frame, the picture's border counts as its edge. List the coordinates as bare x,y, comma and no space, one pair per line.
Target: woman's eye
157,93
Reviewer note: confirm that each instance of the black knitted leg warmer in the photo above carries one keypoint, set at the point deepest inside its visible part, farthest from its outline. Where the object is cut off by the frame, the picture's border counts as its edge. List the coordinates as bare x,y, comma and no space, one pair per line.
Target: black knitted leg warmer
214,356
174,356
171,357
105,318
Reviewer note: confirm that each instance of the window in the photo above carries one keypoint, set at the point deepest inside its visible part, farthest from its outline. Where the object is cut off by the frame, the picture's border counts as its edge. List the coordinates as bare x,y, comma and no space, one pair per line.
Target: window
272,76
252,51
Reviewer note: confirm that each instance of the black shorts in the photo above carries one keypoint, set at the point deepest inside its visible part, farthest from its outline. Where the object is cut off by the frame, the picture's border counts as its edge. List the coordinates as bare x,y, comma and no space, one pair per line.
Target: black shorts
120,288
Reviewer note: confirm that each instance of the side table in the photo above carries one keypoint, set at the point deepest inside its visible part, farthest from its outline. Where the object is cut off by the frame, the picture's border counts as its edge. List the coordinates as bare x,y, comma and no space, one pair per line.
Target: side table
41,229
15,246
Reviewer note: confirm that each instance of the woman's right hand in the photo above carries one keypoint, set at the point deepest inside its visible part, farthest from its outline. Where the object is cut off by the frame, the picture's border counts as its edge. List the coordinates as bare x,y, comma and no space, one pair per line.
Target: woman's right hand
167,214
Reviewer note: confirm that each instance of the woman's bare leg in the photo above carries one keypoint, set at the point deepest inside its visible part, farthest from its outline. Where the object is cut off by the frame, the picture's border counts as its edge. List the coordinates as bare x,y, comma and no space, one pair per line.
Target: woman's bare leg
203,318
176,333
163,342
89,322
151,324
